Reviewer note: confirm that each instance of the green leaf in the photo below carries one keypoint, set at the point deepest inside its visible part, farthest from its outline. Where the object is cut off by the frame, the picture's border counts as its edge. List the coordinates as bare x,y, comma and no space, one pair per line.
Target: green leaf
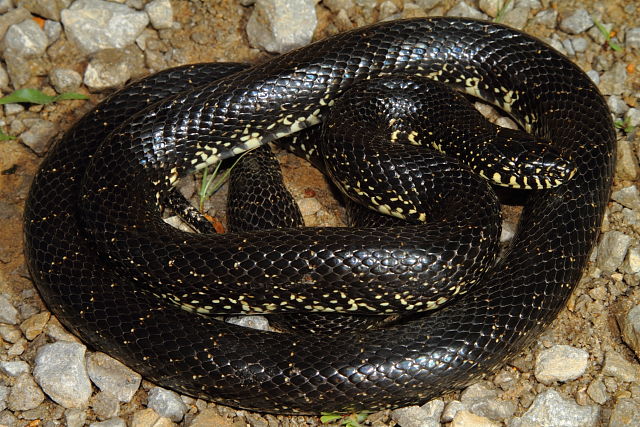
34,96
5,137
607,36
328,417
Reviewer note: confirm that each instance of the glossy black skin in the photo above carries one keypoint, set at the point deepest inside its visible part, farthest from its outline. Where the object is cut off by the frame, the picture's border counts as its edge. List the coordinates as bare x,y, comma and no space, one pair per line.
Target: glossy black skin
407,363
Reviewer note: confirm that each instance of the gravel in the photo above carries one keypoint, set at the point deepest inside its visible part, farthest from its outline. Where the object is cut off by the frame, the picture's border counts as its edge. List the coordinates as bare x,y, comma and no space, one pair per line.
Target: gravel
580,372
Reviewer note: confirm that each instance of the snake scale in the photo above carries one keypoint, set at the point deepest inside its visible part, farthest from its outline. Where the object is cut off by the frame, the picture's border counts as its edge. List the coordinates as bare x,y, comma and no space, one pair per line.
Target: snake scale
409,362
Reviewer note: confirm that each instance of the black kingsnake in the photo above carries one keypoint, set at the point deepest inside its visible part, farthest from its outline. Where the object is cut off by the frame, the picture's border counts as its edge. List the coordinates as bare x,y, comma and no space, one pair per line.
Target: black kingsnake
403,364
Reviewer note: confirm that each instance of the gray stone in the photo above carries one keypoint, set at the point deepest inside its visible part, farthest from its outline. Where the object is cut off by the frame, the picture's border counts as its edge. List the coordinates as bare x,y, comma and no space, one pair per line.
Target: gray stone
580,44
613,81
551,409
75,417
49,9
8,313
492,7
25,394
450,410
160,14
628,196
464,10
516,17
632,263
617,105
336,6
561,363
618,367
25,39
626,412
10,333
281,25
38,136
4,78
627,162
61,372
632,117
576,22
4,395
65,79
14,16
14,368
113,422
482,399
597,391
111,68
466,418
594,76
387,9
547,17
96,24
630,328
112,376
52,29
612,250
167,404
149,418
632,38
5,6
105,405
413,416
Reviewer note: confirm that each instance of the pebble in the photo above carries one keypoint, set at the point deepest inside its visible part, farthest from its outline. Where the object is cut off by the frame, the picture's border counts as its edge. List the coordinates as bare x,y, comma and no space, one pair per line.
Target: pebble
25,39
482,399
14,16
49,9
53,30
626,412
4,78
149,418
210,417
111,68
427,415
632,117
465,418
597,391
112,376
14,368
613,81
112,422
97,24
612,250
632,38
8,313
75,417
4,395
309,206
547,17
618,367
551,409
34,325
627,162
492,7
576,22
25,394
281,25
38,134
61,372
167,403
105,405
65,80
628,196
561,363
617,106
5,5
632,263
463,9
160,14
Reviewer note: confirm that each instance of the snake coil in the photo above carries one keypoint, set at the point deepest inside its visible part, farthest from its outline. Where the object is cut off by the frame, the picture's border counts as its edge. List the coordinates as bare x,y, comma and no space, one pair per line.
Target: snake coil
403,364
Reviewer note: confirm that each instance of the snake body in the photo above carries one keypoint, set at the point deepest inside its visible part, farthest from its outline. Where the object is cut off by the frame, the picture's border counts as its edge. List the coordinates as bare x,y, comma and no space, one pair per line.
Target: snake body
73,214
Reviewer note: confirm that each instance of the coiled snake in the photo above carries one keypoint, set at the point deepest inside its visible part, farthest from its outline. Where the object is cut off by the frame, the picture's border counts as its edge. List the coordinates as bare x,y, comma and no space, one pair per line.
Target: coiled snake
76,210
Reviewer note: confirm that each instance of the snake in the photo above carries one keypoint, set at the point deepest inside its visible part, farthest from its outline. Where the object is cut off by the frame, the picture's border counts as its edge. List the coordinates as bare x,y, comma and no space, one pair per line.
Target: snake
160,128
